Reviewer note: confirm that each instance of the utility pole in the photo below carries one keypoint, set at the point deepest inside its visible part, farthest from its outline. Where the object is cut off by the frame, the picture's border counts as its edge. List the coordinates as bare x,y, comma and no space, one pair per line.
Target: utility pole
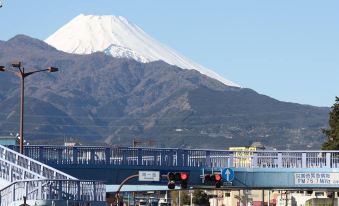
22,75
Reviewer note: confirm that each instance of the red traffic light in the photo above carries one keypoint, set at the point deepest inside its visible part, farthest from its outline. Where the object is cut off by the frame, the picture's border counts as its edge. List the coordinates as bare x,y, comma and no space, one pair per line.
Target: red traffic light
217,177
177,176
183,175
213,178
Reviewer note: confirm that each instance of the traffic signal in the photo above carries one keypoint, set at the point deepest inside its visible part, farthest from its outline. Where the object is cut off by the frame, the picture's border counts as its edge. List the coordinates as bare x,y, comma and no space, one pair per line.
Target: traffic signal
207,178
213,178
171,185
171,180
183,180
217,179
173,177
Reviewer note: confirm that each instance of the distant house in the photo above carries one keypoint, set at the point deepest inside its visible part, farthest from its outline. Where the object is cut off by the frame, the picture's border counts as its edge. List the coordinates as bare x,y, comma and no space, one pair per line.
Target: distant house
8,140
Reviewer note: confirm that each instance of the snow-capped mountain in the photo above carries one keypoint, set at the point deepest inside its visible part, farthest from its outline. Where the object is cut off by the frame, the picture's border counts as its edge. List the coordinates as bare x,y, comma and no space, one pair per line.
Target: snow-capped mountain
118,37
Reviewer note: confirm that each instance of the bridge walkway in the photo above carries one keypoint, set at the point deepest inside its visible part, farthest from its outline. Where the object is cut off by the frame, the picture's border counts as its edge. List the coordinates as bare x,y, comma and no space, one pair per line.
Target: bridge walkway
257,169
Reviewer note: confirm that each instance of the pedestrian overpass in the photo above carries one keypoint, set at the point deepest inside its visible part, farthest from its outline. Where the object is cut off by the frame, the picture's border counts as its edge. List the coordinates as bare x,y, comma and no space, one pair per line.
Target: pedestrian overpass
24,180
252,169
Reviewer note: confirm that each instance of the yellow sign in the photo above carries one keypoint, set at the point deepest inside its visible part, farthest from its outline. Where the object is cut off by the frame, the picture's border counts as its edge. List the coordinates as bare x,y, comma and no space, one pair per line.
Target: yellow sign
242,155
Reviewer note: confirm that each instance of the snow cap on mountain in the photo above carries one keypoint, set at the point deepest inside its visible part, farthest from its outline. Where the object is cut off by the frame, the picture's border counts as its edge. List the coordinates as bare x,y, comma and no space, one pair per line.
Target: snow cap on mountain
118,37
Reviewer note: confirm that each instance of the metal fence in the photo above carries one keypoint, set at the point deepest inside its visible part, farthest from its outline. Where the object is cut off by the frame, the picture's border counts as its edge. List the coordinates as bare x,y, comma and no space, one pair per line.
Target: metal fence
51,189
15,166
171,157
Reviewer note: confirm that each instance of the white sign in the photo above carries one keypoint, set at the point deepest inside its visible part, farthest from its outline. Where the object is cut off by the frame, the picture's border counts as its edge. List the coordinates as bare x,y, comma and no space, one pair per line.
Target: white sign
316,178
149,176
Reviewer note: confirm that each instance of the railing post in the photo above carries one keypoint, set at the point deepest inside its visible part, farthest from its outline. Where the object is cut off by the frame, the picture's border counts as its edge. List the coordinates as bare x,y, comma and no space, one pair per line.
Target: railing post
41,154
139,153
208,159
13,193
29,166
231,160
39,195
254,160
51,194
94,192
11,173
75,155
78,191
280,162
59,189
162,155
59,158
107,155
155,156
92,158
303,160
26,189
328,160
124,156
179,158
185,158
171,158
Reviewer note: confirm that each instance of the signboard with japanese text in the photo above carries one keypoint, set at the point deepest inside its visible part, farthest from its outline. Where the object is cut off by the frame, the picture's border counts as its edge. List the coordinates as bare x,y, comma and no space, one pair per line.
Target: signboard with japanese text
149,176
316,178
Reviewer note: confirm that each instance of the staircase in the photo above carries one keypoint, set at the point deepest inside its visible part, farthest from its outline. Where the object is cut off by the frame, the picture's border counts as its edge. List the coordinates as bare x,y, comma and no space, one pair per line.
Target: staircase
22,177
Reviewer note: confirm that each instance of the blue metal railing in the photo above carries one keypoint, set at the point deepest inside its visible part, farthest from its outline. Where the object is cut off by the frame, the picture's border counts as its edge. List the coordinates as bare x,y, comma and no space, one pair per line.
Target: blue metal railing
34,180
52,189
15,166
172,157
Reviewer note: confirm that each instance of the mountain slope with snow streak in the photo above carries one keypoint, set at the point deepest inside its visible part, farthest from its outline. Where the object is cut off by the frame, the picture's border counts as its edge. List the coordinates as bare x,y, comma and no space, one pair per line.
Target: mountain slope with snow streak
118,37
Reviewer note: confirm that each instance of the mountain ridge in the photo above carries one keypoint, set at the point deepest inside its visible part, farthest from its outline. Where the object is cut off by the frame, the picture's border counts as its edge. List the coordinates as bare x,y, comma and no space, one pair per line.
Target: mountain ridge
99,99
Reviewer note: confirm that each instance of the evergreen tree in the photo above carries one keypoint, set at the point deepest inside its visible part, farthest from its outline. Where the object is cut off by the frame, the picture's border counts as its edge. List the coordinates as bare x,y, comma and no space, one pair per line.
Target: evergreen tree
332,133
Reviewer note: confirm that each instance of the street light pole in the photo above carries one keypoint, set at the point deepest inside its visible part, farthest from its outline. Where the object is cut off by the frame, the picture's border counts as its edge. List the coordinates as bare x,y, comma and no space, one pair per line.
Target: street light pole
22,96
22,75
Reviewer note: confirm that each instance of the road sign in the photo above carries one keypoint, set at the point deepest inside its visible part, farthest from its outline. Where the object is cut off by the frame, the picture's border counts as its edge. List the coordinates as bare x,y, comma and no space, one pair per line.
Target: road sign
227,174
149,176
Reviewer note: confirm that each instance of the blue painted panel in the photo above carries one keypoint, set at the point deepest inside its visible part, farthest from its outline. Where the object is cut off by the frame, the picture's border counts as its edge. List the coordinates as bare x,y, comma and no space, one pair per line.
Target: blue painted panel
277,178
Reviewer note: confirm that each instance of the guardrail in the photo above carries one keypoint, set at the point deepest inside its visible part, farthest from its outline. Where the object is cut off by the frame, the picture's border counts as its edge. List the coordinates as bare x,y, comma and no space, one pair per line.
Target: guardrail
51,189
171,157
15,166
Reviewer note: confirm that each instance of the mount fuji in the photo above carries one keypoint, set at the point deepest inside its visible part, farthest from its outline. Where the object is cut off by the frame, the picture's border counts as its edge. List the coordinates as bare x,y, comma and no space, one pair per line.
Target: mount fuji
116,36
100,99
120,91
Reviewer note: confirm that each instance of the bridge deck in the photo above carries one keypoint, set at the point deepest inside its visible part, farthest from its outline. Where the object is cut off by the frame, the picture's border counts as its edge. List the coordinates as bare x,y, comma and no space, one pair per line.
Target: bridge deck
253,169
171,157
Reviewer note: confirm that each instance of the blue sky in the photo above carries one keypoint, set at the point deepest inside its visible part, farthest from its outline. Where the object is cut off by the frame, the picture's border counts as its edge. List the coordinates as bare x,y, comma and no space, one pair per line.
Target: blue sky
285,49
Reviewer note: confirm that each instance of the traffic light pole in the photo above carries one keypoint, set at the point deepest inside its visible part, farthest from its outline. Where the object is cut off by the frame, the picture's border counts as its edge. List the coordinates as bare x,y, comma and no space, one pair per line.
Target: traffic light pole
122,184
